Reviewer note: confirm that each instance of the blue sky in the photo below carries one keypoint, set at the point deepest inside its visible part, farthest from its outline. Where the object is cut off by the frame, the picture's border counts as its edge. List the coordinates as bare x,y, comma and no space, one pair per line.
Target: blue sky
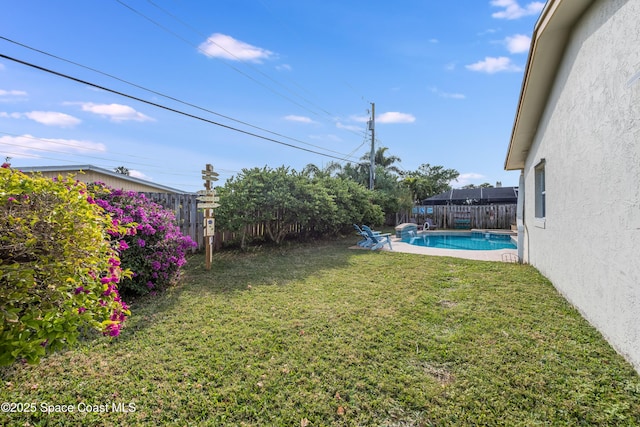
445,78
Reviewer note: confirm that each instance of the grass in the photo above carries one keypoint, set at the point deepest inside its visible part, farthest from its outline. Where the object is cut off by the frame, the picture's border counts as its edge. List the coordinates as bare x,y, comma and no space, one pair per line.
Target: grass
320,335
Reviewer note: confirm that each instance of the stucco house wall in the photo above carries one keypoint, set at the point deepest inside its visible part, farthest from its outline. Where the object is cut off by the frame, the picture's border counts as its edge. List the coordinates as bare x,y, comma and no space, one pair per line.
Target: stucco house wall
588,139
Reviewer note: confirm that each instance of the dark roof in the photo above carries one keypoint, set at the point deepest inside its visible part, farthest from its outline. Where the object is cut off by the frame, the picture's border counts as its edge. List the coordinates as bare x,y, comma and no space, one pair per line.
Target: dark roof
475,196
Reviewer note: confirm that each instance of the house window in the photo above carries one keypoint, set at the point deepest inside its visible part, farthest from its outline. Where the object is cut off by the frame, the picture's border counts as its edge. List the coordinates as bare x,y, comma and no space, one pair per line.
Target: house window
540,190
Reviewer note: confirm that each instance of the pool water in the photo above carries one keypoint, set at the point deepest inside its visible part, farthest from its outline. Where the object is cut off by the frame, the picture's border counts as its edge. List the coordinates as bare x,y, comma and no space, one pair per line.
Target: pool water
476,241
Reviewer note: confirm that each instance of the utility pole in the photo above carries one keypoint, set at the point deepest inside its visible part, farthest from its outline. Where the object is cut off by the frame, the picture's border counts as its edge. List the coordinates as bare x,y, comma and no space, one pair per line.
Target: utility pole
372,158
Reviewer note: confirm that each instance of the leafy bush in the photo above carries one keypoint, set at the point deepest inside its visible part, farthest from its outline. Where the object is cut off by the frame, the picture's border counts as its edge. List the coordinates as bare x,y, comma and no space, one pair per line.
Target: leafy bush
287,203
58,271
156,251
354,204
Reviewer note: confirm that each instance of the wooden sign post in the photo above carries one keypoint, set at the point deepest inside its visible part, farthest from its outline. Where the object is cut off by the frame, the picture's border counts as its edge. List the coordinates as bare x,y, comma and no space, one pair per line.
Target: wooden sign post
208,199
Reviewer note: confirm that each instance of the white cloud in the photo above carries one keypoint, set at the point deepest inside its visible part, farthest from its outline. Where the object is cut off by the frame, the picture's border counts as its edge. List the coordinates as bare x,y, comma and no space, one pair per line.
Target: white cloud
137,174
299,119
356,128
512,10
447,95
226,47
518,44
395,117
12,92
52,118
48,118
494,65
284,67
115,112
8,96
359,119
488,31
29,146
468,178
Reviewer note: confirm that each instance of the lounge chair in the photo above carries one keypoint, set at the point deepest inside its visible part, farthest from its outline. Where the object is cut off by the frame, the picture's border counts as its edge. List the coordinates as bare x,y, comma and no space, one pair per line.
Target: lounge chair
366,241
378,239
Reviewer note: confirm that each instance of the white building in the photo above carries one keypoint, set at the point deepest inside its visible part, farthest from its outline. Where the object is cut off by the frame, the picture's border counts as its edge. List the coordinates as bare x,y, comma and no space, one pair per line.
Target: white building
576,139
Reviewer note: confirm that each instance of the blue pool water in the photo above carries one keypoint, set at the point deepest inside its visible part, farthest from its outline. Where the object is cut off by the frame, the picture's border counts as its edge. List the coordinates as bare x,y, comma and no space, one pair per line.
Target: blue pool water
475,241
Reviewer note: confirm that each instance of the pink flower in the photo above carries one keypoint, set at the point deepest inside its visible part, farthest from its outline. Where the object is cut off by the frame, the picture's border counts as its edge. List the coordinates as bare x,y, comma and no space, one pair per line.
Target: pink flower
112,330
81,310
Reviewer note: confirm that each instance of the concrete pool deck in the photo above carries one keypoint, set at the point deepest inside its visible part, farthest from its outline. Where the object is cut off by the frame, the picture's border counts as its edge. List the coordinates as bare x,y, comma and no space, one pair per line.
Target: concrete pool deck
504,255
507,255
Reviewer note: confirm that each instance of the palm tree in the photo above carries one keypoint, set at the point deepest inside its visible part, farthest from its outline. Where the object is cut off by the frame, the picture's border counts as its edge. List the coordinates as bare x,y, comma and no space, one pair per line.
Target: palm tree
381,159
121,170
313,171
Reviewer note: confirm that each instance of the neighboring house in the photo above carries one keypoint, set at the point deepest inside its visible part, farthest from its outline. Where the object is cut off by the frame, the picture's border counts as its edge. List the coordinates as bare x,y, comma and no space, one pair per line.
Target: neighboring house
576,139
475,196
90,173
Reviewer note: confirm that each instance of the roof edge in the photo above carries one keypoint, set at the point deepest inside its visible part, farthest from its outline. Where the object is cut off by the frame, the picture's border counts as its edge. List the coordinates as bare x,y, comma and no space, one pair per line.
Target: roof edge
548,43
87,167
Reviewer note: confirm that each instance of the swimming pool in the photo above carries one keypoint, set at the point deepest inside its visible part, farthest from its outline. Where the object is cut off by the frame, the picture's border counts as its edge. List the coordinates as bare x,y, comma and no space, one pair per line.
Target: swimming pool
474,241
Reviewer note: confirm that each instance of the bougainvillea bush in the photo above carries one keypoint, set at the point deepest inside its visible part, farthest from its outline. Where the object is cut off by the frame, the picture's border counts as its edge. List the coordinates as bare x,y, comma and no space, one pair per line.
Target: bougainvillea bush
156,251
58,269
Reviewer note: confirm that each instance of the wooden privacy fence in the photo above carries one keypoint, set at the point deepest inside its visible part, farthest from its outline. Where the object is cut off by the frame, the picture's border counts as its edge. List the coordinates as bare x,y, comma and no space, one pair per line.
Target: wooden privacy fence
191,221
188,218
461,216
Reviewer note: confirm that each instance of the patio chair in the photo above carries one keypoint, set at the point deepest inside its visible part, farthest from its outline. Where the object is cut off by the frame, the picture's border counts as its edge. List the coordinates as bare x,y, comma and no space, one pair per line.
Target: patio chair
378,239
366,241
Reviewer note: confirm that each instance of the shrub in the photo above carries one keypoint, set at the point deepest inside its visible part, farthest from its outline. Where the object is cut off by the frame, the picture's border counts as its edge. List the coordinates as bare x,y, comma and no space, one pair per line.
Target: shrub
156,251
287,203
58,271
354,204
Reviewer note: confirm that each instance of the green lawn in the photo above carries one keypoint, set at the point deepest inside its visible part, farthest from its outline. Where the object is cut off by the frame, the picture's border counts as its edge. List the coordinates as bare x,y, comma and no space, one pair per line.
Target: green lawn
318,334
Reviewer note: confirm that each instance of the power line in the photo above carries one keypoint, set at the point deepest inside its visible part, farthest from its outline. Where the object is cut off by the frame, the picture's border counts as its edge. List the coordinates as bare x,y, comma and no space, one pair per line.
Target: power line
227,64
228,52
162,94
164,107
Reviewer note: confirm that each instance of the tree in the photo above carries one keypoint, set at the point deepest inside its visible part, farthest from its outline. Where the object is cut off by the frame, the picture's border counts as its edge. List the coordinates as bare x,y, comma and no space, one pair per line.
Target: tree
313,171
483,185
429,180
121,170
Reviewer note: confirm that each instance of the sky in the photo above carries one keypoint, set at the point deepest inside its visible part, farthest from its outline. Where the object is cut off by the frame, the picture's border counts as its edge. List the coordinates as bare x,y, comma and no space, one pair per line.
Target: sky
163,87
